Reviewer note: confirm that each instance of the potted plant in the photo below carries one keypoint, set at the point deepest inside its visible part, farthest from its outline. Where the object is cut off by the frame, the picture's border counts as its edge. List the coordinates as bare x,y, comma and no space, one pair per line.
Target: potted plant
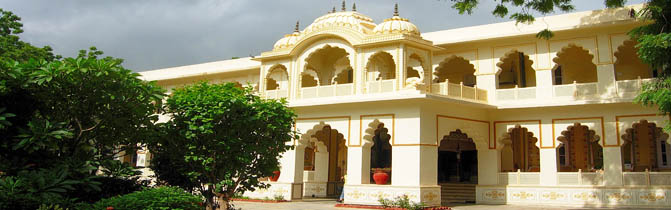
381,175
276,175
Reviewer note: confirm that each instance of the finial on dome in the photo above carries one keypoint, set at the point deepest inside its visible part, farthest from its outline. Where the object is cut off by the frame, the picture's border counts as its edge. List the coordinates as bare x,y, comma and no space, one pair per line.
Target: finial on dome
343,6
296,29
333,11
396,9
354,7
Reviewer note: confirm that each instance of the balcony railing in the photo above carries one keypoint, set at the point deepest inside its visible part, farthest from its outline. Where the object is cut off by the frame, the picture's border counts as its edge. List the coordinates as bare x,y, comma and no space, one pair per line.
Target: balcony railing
327,91
646,178
576,90
381,86
630,88
580,178
516,94
519,178
459,91
277,94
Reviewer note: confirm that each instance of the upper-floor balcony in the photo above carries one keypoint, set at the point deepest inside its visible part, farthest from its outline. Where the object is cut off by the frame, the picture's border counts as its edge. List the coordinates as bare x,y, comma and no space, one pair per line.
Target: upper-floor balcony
389,86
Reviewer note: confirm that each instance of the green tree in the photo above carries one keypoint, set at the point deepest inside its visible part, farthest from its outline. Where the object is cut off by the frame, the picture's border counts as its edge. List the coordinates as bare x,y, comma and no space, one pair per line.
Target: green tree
654,37
226,137
12,48
70,115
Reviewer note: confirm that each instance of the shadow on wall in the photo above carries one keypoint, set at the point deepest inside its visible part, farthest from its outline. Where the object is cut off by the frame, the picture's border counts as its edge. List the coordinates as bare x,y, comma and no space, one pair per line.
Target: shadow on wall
606,16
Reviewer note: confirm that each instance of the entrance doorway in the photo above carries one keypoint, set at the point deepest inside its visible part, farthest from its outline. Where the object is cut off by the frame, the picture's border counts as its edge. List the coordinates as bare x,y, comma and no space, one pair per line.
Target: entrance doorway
457,168
457,159
337,159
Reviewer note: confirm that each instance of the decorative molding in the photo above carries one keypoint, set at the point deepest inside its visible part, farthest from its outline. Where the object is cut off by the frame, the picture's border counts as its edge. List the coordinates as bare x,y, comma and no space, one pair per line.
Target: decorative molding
349,124
617,125
361,130
489,129
540,130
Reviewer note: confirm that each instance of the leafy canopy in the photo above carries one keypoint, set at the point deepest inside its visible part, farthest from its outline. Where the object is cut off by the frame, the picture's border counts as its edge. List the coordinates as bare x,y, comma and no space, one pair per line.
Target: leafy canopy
11,48
223,138
62,119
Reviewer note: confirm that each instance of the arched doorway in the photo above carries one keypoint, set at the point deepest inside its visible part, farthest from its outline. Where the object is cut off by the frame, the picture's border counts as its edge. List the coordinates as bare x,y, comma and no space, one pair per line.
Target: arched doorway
457,168
645,147
457,159
336,152
456,70
579,150
516,71
574,64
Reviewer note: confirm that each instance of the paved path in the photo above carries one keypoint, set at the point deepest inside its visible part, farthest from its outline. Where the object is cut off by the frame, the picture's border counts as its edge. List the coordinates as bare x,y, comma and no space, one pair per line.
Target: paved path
328,204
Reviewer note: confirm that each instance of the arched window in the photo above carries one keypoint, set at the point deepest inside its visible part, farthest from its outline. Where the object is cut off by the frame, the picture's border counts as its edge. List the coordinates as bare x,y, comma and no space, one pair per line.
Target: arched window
574,64
381,66
415,67
579,149
456,70
326,64
277,78
628,65
380,154
645,147
516,70
519,151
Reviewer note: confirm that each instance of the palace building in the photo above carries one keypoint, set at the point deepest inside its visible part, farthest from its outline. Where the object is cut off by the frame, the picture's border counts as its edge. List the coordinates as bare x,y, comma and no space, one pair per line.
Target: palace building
488,114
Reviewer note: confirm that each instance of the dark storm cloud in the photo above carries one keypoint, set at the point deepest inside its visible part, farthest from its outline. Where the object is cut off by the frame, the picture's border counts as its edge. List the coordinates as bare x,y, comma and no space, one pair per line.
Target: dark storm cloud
153,34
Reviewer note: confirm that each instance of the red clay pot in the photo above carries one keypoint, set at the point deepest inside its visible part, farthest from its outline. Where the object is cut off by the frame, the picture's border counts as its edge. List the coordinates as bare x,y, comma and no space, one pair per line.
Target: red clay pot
380,177
275,177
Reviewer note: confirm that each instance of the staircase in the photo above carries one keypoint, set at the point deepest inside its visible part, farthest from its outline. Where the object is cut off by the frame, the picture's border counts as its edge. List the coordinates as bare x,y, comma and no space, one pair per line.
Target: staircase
457,193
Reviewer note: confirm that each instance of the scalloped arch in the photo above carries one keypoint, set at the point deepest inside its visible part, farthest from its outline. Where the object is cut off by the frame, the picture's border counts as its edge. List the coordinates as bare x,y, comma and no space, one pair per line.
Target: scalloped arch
510,53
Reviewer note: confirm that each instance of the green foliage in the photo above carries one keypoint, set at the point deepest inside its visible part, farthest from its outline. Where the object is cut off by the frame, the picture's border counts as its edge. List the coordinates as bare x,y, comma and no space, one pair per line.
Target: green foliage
110,187
50,207
153,199
657,93
402,202
117,169
11,48
29,189
654,48
222,136
107,106
279,197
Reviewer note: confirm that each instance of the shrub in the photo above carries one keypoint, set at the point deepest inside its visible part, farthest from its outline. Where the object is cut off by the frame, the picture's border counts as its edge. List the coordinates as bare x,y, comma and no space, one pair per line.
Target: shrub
110,187
278,197
402,202
155,198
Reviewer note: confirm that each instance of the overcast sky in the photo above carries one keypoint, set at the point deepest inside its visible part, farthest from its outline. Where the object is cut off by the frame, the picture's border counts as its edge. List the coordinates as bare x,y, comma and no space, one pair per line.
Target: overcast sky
153,34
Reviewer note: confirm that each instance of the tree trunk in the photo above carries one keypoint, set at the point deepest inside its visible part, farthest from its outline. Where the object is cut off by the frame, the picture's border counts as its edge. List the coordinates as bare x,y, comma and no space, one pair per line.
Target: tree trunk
223,203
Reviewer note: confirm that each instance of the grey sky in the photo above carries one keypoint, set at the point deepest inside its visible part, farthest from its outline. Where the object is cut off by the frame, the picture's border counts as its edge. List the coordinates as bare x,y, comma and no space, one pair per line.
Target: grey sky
152,34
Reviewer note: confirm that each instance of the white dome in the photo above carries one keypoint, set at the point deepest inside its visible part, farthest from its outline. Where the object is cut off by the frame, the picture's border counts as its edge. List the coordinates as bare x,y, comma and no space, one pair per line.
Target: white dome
351,19
287,41
396,24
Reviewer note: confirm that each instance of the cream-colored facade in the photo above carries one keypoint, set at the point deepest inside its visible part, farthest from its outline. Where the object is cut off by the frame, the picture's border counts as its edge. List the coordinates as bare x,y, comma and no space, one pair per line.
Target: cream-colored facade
529,121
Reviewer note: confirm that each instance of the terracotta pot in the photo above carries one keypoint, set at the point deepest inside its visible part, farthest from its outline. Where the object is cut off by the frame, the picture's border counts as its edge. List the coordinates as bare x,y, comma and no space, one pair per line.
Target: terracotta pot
380,177
275,177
